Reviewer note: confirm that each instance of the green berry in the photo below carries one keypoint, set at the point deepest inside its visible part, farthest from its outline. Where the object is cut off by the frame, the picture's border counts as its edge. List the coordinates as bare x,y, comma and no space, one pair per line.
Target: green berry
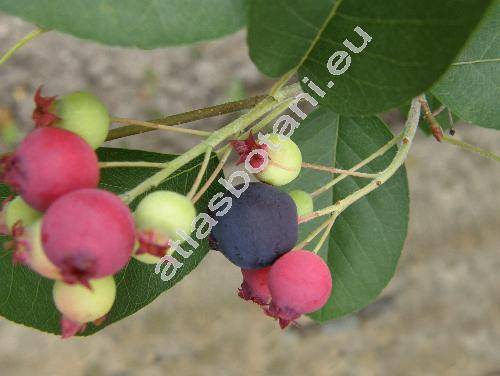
84,114
285,162
158,217
18,211
81,304
303,201
36,259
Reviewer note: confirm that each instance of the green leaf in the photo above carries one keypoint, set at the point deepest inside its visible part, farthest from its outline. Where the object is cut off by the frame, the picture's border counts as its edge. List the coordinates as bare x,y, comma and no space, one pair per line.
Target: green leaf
413,44
26,298
471,88
366,241
131,23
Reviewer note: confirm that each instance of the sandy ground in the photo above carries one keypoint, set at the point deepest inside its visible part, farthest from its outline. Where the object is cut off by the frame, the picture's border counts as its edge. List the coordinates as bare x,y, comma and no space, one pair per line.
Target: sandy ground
439,316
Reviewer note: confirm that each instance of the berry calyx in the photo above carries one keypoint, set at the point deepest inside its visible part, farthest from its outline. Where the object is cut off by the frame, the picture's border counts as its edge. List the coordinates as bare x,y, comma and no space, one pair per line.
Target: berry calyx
88,234
285,162
43,114
245,147
300,282
29,251
303,201
254,286
79,305
17,211
79,112
49,163
159,217
260,226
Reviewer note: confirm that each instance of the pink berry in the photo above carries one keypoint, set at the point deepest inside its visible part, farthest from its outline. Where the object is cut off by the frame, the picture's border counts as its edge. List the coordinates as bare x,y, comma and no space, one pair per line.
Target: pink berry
88,234
49,163
254,286
300,282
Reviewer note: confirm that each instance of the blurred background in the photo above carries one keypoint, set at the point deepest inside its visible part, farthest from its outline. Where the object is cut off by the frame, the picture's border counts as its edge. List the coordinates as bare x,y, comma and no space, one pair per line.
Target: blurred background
440,315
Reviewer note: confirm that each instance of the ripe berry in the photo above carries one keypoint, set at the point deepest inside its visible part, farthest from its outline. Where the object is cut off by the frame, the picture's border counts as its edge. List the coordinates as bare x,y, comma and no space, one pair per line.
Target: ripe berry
300,282
158,217
49,163
254,286
285,162
29,251
303,201
17,212
79,112
87,234
260,226
80,305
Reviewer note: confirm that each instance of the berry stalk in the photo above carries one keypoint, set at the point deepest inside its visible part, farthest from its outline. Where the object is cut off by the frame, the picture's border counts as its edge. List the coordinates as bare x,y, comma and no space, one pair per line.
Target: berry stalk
153,126
400,158
471,148
188,117
313,234
326,232
334,170
384,149
212,177
237,126
30,36
201,173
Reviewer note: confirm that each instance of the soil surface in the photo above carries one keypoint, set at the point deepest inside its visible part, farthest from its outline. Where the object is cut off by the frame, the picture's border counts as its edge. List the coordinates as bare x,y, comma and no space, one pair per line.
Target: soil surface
440,315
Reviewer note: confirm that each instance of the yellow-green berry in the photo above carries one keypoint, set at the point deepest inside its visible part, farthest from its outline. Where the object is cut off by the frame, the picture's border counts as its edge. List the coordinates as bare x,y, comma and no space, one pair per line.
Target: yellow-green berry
285,161
303,201
84,114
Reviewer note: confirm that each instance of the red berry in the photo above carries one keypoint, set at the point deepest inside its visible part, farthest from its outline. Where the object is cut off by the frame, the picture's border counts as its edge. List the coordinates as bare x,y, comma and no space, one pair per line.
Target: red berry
300,282
88,234
254,286
49,163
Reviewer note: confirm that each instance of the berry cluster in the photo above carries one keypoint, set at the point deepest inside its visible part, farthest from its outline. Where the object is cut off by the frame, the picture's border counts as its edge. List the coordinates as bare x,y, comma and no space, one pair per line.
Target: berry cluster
258,234
67,229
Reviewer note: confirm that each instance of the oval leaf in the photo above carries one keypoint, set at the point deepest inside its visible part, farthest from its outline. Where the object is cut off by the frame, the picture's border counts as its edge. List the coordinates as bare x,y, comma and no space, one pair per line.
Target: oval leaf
131,23
413,43
366,241
471,88
26,298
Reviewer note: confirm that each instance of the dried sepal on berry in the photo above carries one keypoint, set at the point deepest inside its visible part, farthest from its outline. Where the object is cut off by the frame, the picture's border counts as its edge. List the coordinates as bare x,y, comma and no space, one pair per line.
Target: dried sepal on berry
43,114
153,243
245,147
80,306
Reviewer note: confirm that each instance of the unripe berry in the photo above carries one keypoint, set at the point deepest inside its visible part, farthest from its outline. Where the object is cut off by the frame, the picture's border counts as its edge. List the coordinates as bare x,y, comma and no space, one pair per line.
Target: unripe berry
260,226
284,159
303,201
254,286
18,212
300,282
79,112
79,305
285,162
30,252
88,234
49,163
158,217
